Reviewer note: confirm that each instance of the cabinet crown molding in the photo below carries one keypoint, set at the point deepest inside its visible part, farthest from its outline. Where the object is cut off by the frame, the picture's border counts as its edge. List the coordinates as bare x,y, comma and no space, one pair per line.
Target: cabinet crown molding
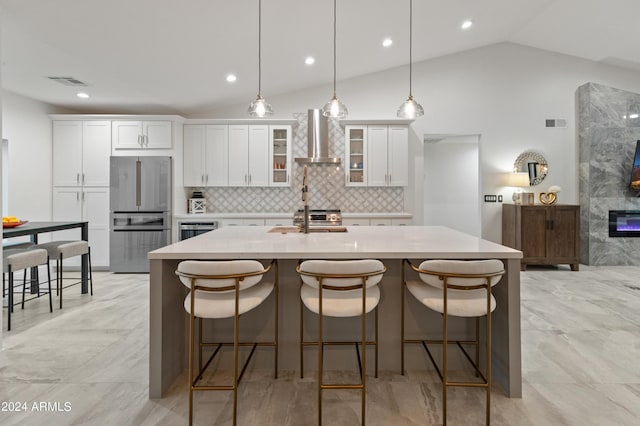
176,118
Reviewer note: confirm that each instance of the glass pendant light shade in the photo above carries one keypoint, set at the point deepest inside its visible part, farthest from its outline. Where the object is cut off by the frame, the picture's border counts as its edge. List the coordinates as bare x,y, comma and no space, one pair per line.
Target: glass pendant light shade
335,108
260,107
410,109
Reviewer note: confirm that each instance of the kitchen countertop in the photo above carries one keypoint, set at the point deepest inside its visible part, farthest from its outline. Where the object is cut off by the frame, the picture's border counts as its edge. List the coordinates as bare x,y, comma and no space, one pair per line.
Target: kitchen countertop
280,215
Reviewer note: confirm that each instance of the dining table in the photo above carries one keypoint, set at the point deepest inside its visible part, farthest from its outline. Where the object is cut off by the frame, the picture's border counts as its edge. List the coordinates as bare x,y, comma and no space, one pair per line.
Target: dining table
33,229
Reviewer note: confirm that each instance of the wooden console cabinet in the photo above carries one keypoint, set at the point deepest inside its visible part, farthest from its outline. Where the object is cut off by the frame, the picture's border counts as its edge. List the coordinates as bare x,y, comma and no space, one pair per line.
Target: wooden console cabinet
546,235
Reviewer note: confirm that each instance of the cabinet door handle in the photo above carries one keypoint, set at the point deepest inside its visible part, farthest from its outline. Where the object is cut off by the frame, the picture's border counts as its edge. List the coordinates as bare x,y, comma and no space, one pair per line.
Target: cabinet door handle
146,140
77,177
249,179
83,196
201,178
77,196
83,178
206,179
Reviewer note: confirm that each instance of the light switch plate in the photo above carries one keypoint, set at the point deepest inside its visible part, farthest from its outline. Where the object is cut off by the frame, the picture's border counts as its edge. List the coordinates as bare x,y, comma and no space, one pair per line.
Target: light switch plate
490,198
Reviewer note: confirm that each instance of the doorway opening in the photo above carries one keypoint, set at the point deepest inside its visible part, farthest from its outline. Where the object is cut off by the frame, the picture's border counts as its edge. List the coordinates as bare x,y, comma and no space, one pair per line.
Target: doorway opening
452,182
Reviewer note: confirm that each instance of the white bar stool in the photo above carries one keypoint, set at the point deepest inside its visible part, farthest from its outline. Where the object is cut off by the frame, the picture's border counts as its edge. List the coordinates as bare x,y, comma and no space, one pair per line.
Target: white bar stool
17,259
340,288
60,250
462,289
225,289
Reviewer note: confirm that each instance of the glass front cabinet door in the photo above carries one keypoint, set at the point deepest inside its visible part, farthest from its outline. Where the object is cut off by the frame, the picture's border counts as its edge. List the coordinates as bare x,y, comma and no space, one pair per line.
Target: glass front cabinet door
280,155
356,155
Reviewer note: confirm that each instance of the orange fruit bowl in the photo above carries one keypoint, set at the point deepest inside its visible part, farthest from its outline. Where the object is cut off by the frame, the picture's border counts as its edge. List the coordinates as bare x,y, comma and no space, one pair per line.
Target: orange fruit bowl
13,224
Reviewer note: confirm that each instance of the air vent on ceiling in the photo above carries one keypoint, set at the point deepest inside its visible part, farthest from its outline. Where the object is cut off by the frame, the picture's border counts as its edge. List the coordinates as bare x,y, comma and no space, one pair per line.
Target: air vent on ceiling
556,122
68,81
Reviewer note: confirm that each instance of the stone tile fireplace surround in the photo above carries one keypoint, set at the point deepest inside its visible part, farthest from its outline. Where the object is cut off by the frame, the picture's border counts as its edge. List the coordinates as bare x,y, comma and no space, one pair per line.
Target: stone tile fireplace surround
608,128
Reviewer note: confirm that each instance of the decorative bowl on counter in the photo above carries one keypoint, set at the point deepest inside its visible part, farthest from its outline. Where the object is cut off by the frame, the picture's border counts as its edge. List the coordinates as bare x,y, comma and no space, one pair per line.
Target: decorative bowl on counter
13,224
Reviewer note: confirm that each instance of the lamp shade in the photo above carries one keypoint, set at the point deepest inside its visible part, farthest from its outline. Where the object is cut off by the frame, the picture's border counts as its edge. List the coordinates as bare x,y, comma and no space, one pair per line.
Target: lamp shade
519,180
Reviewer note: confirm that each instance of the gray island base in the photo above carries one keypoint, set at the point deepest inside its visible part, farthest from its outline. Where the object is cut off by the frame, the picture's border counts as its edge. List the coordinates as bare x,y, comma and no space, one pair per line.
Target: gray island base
391,244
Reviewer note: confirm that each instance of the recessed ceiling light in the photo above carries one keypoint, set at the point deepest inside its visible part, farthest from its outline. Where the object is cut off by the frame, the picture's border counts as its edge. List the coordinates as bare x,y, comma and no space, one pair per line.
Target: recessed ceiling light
387,42
82,95
309,60
633,116
231,78
466,24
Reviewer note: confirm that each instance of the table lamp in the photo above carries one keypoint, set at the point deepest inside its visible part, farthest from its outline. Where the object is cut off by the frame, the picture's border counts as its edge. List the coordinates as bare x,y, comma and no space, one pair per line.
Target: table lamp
518,181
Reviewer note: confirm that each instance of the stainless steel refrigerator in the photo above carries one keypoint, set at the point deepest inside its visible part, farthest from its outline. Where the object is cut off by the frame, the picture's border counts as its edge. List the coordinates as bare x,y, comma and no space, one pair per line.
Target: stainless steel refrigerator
140,207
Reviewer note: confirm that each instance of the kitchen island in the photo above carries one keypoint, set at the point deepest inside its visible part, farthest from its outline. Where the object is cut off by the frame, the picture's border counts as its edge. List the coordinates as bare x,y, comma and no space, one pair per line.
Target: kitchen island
391,244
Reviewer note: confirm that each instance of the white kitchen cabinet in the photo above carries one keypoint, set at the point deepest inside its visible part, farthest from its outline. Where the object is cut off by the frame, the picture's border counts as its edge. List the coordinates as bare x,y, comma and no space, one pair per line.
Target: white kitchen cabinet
248,155
280,155
401,222
356,155
279,222
375,221
89,204
242,222
149,134
380,222
388,155
81,152
205,155
350,221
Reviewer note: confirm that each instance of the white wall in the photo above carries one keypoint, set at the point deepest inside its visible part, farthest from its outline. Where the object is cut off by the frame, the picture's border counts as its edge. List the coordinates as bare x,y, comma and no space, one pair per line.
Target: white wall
3,360
503,92
451,184
27,127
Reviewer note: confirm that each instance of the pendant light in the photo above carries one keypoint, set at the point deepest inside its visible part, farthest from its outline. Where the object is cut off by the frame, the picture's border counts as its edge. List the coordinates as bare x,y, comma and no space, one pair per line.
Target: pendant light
259,107
334,108
410,108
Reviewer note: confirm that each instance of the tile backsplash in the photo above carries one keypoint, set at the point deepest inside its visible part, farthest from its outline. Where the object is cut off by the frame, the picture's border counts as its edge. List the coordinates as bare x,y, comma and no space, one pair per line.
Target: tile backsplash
326,185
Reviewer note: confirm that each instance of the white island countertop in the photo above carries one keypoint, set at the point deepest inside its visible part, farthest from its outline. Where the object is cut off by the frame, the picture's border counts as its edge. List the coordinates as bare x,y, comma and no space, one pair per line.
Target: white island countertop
389,242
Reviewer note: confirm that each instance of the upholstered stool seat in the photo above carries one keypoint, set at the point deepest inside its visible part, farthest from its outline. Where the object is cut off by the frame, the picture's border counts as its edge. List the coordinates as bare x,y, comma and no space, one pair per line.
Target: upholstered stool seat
225,289
340,288
65,249
461,289
20,245
17,259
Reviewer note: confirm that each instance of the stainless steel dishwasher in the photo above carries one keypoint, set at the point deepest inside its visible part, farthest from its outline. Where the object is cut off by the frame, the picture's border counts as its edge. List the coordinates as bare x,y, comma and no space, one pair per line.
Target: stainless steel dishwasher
191,229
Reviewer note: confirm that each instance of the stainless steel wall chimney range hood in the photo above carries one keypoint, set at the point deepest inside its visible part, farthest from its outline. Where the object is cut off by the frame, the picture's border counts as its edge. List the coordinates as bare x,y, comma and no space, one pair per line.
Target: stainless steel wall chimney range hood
318,140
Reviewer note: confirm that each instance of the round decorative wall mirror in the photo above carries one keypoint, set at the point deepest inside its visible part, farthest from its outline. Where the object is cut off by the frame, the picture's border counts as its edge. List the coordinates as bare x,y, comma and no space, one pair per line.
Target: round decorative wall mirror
533,163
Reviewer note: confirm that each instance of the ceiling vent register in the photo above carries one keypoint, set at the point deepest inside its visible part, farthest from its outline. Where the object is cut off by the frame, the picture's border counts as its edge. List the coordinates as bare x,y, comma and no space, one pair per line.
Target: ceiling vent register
68,81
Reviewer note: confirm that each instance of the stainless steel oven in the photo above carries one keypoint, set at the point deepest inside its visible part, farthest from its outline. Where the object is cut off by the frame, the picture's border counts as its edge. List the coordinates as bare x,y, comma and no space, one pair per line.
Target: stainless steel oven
133,236
191,229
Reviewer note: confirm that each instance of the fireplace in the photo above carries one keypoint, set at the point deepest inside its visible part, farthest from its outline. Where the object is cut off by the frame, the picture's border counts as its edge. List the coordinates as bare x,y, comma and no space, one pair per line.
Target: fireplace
624,223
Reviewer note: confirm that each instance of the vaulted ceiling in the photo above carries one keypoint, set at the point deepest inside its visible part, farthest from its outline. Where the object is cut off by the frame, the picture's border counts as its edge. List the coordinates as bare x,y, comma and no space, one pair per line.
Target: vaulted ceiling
167,56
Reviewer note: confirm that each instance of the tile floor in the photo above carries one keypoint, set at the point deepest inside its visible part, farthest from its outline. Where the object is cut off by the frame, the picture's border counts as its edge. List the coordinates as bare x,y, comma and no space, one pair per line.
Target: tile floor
88,365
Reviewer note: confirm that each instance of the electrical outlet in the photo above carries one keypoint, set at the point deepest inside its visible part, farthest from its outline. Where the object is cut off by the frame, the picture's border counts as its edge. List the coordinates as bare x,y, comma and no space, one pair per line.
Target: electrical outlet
499,198
490,198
